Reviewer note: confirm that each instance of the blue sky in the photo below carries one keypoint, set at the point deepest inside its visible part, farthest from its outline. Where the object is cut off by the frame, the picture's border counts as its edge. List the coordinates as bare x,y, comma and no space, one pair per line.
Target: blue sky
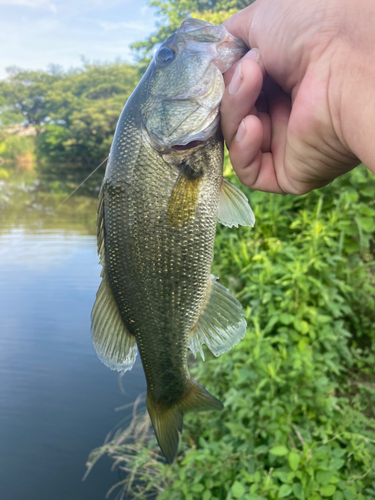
35,33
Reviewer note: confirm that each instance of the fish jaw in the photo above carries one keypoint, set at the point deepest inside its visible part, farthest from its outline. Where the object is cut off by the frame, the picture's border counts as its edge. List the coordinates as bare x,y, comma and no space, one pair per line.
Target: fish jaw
224,48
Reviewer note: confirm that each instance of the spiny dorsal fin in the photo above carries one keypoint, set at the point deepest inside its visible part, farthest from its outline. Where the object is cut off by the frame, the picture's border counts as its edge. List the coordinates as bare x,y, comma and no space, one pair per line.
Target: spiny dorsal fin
221,324
167,422
114,345
234,208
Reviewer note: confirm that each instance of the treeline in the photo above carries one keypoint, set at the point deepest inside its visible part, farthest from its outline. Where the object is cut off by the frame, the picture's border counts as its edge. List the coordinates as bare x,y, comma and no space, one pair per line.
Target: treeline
74,113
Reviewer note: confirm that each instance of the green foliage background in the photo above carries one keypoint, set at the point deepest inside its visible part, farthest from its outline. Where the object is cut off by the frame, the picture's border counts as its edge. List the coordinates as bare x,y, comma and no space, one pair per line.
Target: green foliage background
75,113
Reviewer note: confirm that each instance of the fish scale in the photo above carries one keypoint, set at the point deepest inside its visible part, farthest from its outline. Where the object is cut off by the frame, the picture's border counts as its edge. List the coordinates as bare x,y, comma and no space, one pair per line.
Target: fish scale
157,217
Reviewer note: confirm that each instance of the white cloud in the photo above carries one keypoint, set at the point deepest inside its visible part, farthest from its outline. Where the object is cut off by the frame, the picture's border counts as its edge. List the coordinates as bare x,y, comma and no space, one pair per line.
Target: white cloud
34,4
133,25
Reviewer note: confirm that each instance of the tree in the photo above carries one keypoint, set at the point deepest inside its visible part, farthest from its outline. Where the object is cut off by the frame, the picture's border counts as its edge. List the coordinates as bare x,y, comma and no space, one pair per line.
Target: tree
74,112
22,95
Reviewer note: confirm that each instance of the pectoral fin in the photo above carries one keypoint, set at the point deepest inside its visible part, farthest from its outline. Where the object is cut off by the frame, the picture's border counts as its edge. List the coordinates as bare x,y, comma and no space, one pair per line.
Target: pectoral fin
183,200
234,208
221,324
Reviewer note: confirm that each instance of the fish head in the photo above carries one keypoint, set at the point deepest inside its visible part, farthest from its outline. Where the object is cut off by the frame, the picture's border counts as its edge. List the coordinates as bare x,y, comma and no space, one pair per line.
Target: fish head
185,84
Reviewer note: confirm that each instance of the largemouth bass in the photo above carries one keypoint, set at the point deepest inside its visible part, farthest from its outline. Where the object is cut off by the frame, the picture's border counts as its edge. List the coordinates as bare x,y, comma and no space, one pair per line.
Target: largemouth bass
161,197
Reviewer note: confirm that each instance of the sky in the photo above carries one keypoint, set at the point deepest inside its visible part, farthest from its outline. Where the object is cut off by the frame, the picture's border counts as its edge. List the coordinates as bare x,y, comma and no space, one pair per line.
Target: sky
36,33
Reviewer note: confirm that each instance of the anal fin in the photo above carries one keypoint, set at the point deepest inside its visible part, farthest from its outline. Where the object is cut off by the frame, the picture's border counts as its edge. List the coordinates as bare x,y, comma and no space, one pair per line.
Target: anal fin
114,345
234,208
221,324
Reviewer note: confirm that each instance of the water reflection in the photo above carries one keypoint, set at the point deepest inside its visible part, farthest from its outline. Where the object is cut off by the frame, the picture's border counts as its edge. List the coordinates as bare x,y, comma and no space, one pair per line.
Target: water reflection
56,399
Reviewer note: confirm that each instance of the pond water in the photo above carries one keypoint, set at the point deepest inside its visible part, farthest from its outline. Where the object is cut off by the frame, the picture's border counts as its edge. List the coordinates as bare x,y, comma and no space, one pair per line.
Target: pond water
57,401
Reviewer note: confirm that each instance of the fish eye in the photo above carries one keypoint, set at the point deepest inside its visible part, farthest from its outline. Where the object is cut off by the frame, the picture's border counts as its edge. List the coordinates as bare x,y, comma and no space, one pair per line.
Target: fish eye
165,55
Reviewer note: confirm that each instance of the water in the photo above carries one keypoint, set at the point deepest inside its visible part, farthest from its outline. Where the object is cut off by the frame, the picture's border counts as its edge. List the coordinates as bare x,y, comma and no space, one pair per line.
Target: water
57,401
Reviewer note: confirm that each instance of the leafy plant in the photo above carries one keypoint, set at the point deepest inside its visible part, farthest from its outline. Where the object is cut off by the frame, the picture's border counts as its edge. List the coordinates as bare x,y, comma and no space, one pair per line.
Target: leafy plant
299,390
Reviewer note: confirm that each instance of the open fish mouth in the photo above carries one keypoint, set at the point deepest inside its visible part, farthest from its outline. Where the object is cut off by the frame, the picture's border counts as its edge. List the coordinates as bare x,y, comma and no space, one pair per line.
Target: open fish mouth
188,146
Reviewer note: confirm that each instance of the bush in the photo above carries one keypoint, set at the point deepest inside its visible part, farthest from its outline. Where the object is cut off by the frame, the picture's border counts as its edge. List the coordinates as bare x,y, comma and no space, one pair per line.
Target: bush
299,389
12,146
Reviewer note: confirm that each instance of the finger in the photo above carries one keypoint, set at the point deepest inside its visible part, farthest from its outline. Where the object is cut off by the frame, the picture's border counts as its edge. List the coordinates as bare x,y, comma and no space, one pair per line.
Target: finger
239,24
240,97
252,55
254,168
245,147
279,111
261,165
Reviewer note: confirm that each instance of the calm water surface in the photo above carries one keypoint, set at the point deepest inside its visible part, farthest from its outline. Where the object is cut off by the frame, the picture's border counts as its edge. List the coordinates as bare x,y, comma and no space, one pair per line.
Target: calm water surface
57,401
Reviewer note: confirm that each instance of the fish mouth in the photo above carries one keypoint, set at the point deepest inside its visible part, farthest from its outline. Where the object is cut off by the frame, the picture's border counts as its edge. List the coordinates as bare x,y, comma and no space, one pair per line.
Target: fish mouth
188,146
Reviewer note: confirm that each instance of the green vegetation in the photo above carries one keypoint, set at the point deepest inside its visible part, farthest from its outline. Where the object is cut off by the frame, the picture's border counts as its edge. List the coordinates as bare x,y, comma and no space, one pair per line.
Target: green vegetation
13,146
299,390
74,113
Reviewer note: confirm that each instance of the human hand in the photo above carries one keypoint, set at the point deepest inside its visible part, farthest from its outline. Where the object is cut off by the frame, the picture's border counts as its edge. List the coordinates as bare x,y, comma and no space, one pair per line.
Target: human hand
291,138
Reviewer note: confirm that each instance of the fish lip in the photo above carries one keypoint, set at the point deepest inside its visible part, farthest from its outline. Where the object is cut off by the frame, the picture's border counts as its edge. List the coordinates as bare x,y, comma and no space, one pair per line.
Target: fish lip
225,50
187,147
235,48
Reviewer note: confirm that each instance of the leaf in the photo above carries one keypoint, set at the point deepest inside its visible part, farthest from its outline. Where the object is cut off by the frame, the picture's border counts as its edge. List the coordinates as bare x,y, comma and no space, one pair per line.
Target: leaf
206,495
367,224
349,495
297,490
293,459
283,476
286,319
279,451
328,490
238,489
284,491
324,477
338,496
197,488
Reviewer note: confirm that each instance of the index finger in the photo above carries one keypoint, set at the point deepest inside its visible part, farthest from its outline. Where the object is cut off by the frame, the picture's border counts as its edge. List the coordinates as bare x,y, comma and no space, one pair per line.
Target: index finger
239,24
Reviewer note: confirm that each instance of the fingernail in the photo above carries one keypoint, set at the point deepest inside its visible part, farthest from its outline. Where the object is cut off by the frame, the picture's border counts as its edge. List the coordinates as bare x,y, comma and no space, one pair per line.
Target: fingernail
253,54
241,132
236,81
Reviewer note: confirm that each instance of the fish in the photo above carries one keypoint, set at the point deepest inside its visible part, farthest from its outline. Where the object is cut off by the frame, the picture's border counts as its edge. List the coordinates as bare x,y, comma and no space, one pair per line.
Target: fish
161,197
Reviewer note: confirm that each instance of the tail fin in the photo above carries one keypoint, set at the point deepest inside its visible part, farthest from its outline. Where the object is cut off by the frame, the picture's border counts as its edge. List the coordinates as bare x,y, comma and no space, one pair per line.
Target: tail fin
167,422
